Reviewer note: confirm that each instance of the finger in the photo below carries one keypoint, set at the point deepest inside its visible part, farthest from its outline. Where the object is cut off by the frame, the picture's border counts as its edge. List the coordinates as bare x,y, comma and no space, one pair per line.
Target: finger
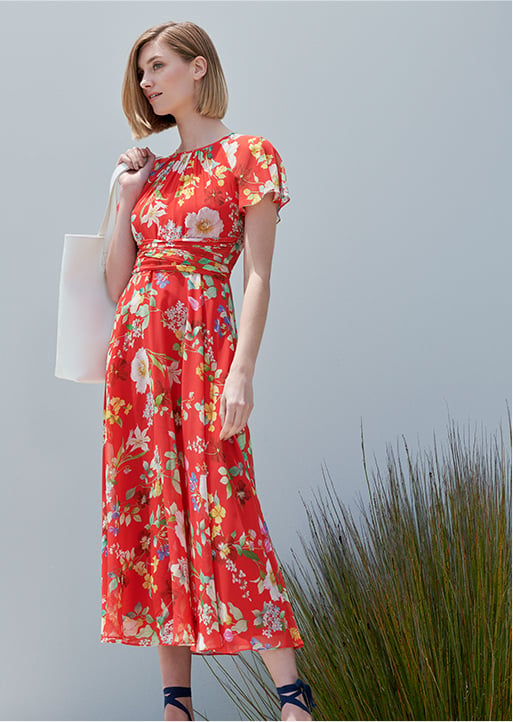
222,410
142,157
228,424
226,431
128,158
236,421
125,158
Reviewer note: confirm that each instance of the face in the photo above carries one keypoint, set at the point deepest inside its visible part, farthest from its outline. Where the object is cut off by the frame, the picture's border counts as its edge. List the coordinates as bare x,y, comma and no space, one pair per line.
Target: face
167,80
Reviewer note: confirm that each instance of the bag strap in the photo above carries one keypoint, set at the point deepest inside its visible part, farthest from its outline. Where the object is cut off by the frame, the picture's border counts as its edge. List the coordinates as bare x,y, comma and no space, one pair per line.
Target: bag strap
110,211
109,219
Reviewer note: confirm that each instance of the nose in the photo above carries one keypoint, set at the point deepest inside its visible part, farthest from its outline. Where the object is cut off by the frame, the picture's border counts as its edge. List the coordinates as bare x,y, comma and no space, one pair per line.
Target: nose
144,82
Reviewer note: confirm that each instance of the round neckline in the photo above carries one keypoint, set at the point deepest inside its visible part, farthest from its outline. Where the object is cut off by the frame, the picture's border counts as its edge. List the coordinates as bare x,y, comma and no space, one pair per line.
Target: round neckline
202,147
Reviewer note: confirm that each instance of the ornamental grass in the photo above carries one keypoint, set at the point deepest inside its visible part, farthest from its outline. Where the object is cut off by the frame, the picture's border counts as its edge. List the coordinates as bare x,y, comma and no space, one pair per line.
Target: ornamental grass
404,608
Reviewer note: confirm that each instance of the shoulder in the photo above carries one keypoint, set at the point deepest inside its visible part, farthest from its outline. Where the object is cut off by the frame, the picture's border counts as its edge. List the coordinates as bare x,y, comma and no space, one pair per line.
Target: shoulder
249,150
254,144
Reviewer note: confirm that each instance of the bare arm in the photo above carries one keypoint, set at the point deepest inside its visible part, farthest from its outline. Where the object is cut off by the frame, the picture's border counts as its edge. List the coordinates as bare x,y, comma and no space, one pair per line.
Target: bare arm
122,249
259,235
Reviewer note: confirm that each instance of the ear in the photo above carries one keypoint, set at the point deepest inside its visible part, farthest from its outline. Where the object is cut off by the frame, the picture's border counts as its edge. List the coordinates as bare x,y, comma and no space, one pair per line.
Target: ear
199,67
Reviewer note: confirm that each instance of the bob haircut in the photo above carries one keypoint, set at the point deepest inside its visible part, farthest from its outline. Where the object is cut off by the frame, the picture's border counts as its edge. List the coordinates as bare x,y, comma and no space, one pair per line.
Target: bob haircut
187,40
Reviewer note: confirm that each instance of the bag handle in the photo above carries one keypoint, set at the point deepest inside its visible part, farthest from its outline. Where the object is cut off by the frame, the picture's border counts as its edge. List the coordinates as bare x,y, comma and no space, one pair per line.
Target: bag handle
110,211
109,219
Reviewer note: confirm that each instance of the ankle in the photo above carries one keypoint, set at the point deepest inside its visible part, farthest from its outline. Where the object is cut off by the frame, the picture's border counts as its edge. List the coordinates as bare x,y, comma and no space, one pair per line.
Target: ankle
296,701
177,703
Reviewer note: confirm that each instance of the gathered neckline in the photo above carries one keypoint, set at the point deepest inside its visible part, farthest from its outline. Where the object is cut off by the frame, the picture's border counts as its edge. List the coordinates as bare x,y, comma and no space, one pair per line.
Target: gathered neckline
202,147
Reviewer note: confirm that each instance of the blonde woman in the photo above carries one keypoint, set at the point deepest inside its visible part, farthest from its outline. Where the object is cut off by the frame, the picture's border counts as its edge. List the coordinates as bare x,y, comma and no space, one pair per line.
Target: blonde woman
187,562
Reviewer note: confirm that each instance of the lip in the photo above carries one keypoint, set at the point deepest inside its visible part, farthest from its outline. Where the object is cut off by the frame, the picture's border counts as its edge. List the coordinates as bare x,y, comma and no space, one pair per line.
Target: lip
152,96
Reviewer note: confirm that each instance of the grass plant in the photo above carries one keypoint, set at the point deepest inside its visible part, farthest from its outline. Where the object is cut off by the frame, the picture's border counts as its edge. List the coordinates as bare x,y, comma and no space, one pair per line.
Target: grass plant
405,609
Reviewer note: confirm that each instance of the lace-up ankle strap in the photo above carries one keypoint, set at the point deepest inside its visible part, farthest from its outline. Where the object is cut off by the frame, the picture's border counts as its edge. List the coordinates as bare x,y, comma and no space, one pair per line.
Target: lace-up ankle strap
289,694
170,697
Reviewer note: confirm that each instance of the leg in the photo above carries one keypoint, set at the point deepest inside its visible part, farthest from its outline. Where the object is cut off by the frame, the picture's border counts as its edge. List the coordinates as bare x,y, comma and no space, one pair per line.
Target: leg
175,669
281,664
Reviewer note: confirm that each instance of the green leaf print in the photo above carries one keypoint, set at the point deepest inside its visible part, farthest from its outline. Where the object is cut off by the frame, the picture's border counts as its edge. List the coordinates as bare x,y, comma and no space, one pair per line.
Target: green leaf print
234,471
210,292
240,626
235,611
250,555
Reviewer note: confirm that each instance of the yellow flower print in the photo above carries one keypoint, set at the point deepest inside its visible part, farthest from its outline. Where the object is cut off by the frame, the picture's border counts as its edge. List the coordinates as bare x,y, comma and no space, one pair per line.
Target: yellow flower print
117,404
149,584
218,513
210,415
187,189
220,173
255,148
140,568
268,160
111,414
294,633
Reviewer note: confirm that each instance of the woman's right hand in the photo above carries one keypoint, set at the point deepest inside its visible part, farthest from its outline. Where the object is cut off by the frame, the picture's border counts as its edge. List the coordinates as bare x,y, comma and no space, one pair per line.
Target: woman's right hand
140,163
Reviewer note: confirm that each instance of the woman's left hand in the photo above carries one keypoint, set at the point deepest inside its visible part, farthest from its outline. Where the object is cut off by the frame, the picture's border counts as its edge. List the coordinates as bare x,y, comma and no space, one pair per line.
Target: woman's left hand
236,403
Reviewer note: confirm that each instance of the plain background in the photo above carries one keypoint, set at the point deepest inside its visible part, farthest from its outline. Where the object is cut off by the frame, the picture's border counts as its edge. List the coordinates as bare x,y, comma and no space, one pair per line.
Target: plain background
391,282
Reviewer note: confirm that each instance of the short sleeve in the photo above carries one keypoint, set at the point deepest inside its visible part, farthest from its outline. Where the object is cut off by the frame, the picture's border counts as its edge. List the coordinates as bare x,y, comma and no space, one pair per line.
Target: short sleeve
260,170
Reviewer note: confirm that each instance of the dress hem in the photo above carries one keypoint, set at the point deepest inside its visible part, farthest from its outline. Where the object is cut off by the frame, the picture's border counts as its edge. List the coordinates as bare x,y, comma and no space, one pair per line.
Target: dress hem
143,643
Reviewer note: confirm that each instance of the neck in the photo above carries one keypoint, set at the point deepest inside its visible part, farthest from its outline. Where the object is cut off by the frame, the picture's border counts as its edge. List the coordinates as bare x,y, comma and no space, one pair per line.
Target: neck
196,131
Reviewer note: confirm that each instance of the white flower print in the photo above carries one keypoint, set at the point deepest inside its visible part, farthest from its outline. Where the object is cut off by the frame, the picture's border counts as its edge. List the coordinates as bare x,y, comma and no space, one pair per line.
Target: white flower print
207,164
194,280
175,317
154,212
166,633
150,408
180,571
170,232
138,439
230,148
222,613
136,301
206,223
268,186
270,583
271,620
203,487
140,372
200,643
182,161
174,372
180,528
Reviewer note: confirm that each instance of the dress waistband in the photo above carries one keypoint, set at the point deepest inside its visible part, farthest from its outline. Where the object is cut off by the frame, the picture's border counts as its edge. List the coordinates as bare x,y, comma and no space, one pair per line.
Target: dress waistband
186,256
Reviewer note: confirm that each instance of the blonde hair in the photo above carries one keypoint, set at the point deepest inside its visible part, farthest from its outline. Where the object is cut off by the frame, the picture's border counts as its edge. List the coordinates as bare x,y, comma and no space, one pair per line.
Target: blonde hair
188,40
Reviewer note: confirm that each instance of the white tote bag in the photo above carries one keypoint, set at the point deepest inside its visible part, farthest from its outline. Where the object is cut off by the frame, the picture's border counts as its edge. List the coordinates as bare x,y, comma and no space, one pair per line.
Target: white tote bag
86,312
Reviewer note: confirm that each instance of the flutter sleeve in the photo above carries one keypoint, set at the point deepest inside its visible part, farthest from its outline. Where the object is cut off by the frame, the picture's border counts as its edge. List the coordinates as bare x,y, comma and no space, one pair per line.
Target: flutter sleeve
260,170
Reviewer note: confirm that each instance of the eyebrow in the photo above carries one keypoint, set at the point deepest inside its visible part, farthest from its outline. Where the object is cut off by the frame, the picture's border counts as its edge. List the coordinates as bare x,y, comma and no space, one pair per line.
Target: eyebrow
150,60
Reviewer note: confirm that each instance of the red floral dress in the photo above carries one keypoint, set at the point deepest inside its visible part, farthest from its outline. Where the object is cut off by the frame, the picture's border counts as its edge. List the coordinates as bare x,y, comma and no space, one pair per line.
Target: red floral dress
186,555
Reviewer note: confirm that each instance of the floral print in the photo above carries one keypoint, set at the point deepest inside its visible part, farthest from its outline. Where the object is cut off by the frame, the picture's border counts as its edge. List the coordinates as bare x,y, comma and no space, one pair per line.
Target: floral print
186,554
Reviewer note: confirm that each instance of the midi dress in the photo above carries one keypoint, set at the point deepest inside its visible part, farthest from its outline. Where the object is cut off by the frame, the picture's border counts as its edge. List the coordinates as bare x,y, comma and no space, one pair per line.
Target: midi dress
186,554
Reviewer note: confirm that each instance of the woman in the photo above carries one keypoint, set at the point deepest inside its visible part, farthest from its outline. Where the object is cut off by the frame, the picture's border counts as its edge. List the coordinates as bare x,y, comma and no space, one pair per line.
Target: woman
187,561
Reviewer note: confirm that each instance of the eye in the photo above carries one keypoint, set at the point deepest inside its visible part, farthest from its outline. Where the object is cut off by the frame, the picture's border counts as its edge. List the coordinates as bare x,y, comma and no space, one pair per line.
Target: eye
156,66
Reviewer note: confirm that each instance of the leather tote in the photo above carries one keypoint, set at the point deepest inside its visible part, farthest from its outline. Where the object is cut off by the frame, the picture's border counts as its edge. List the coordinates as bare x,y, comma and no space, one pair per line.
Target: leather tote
85,311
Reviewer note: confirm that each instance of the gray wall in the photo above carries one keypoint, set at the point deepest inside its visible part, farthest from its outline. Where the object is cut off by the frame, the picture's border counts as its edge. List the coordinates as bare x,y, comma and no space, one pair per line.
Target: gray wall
391,282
